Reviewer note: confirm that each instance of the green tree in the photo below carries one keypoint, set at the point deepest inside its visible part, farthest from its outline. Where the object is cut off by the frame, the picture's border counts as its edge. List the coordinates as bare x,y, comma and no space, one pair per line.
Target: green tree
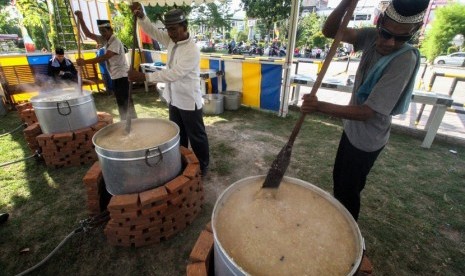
268,11
122,23
156,12
8,25
214,17
319,40
448,22
123,18
38,20
307,28
241,36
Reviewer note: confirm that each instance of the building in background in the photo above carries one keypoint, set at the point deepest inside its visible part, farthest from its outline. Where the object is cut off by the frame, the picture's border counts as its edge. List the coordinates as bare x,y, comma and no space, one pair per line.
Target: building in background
365,14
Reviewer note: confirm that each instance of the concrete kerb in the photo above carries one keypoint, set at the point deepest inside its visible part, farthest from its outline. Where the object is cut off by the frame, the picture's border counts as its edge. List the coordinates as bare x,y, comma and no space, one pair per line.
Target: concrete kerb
420,134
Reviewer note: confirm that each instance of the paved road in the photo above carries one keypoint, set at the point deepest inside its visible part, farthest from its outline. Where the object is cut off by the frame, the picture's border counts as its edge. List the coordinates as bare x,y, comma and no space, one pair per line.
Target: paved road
452,128
337,69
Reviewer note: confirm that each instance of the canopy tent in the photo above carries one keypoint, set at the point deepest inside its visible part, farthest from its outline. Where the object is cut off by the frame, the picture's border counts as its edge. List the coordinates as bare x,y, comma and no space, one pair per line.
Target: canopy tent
283,110
165,2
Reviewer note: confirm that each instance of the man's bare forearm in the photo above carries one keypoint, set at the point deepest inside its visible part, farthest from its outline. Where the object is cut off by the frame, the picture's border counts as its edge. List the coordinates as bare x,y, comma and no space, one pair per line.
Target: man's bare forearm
334,19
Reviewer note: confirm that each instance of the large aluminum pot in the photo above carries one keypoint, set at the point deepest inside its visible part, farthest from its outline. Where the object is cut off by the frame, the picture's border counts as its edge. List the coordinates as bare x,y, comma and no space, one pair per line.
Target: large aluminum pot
147,157
298,229
64,110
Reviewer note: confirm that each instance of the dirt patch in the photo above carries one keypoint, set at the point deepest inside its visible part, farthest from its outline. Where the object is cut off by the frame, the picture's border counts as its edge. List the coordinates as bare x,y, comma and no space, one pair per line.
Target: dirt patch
451,234
246,149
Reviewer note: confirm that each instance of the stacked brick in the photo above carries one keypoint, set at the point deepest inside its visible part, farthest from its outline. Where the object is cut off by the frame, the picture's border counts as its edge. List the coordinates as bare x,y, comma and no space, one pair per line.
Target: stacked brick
26,113
158,214
30,134
97,195
73,148
201,257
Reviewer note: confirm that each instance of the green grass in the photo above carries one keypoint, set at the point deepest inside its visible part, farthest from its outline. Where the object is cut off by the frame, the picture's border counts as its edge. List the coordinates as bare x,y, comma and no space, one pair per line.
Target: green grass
412,217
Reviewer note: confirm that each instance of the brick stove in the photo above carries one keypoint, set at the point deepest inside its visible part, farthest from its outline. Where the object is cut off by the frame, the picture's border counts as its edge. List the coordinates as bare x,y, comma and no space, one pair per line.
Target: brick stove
151,216
73,148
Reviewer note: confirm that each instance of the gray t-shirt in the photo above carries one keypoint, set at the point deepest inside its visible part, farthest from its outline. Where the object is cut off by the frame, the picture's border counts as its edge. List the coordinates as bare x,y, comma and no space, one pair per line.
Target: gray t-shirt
117,65
373,134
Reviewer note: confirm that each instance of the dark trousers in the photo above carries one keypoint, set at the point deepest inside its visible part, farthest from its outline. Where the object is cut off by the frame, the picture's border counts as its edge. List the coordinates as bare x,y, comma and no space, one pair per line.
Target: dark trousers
192,129
121,89
350,173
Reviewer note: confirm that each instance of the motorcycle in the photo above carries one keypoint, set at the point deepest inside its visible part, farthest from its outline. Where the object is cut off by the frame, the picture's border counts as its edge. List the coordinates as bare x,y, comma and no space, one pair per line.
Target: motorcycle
275,51
239,50
255,50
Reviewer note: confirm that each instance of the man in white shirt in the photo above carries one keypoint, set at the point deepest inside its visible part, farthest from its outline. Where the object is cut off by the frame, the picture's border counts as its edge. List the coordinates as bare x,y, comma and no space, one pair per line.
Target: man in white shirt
115,60
181,78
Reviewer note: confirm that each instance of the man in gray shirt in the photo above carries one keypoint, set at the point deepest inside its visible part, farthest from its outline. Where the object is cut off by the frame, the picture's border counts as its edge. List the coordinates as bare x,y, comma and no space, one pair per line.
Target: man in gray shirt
115,60
382,88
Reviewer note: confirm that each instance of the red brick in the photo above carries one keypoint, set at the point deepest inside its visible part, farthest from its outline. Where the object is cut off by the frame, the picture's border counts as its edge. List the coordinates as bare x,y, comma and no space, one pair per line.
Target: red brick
191,158
124,201
32,130
176,184
105,117
366,267
202,248
98,126
177,200
208,227
44,137
23,106
192,171
185,151
196,269
152,195
63,137
93,175
154,210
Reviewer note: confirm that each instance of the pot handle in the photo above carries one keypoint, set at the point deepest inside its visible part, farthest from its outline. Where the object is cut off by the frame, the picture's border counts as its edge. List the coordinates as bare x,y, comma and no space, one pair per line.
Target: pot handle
59,110
160,154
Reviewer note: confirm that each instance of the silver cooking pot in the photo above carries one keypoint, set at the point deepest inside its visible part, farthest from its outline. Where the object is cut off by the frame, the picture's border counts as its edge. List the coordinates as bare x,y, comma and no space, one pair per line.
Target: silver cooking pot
148,157
225,264
64,110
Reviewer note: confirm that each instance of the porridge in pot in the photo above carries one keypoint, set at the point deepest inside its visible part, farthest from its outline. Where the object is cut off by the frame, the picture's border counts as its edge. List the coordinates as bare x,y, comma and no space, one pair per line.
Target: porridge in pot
291,230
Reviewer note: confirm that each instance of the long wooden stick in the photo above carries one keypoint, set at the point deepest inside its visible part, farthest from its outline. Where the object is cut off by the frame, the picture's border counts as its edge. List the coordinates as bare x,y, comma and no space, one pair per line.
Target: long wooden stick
133,54
78,26
280,164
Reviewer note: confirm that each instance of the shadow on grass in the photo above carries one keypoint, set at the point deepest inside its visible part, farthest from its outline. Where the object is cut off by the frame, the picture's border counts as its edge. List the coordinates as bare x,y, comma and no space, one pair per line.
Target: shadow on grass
412,207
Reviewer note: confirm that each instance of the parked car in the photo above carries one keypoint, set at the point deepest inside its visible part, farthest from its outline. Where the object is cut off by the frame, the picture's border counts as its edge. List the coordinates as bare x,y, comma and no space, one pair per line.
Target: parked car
220,46
457,58
202,44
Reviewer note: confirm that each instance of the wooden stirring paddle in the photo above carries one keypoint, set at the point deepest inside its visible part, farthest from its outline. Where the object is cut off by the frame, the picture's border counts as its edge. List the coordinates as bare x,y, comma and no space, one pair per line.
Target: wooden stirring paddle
280,164
133,54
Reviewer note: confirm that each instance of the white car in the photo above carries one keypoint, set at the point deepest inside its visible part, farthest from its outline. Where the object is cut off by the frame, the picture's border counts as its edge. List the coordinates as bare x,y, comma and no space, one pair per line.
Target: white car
202,44
453,59
220,46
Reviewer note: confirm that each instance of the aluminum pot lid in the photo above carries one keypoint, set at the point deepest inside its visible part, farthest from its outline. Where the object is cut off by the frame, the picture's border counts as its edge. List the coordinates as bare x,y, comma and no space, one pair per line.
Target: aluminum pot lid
60,95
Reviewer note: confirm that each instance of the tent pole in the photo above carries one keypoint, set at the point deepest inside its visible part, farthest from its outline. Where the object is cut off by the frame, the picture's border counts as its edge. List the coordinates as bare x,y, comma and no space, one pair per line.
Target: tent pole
284,105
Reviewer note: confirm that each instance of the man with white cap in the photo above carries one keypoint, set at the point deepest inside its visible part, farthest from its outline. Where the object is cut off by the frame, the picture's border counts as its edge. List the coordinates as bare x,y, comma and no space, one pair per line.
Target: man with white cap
115,60
383,87
181,78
